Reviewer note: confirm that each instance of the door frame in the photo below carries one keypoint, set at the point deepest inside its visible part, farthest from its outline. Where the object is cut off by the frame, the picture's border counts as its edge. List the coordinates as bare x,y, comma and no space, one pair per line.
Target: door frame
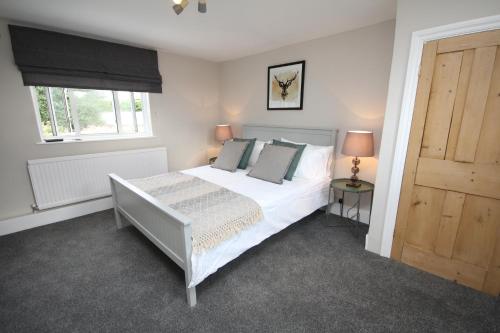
418,38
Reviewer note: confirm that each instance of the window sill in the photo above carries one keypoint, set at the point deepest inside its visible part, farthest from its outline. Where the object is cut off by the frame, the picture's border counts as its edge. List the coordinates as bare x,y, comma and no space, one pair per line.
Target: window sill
97,139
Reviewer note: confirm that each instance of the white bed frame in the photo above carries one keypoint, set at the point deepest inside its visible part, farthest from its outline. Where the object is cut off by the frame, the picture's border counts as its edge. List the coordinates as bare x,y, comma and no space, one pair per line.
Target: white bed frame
170,230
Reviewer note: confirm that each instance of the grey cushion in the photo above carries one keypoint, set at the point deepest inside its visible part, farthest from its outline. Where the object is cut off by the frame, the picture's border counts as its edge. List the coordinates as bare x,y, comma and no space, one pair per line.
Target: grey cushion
273,163
295,161
230,156
248,152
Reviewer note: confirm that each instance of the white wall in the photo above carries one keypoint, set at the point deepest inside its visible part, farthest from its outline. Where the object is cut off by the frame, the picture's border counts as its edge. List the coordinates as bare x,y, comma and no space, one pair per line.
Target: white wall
346,79
412,16
183,118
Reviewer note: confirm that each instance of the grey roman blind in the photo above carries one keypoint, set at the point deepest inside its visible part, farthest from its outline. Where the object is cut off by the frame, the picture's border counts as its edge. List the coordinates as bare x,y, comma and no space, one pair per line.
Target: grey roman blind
47,58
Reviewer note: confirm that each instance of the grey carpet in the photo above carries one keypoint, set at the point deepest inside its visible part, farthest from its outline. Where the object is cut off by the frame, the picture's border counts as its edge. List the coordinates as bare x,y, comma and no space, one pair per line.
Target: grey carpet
83,275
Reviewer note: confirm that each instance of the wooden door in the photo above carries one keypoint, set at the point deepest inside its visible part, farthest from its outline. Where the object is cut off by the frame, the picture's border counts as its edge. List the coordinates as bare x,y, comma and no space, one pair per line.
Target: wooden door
448,220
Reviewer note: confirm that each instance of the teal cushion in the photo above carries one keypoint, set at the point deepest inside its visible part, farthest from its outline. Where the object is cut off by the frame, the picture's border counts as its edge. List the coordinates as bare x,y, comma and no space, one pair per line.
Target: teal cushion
296,159
248,152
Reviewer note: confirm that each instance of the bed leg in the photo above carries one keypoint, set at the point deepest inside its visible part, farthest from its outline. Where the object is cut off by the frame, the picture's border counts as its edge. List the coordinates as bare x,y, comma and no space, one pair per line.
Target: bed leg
190,292
118,219
120,223
191,296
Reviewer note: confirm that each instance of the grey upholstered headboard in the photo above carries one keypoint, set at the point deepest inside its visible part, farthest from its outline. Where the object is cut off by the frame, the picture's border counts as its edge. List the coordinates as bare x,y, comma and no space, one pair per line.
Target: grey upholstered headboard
314,136
319,137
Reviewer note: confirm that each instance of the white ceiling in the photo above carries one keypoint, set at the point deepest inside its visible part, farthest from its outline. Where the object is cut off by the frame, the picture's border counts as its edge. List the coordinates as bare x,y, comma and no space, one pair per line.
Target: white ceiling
230,29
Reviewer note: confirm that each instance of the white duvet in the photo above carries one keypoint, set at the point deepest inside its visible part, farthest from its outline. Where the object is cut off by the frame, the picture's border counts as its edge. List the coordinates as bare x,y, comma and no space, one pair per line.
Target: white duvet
282,205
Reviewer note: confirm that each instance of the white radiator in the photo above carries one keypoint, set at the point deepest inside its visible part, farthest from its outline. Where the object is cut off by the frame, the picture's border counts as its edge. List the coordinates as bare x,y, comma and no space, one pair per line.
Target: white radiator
66,180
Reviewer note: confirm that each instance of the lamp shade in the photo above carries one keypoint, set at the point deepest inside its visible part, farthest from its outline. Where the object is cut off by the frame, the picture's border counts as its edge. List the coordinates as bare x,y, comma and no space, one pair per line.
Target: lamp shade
223,133
358,143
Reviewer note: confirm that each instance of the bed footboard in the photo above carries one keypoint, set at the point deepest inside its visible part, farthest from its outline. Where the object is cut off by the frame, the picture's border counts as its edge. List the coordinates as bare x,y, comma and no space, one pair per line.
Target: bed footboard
168,229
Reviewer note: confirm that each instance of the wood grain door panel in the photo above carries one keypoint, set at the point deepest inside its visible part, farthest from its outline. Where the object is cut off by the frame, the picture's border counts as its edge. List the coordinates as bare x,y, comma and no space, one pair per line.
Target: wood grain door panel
448,220
479,179
441,101
425,209
451,214
488,150
470,41
476,236
492,282
455,270
475,102
458,107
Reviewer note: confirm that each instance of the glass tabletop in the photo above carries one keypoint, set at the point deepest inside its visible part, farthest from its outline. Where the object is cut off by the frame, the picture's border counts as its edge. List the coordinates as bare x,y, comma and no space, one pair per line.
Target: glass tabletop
341,184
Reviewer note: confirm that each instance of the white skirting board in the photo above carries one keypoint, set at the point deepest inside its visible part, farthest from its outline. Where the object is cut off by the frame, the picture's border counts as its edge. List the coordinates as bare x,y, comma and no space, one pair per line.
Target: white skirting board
49,216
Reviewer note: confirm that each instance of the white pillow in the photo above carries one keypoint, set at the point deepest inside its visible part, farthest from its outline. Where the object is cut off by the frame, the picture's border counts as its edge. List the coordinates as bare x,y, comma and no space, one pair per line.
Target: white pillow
257,148
315,162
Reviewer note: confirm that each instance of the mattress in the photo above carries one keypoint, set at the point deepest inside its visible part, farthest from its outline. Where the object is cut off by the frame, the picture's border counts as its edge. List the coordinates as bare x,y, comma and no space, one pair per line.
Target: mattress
282,205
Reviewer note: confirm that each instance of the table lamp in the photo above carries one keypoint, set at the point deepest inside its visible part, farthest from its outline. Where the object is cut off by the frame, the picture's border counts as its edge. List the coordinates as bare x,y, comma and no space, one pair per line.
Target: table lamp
357,144
223,133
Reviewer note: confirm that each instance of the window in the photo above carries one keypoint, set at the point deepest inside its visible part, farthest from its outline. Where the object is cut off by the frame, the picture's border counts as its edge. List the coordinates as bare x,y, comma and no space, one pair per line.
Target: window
79,114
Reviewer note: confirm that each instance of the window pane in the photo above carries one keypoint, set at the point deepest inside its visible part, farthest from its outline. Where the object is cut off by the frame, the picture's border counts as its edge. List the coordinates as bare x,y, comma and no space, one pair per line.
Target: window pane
73,112
95,111
139,112
43,109
64,126
127,113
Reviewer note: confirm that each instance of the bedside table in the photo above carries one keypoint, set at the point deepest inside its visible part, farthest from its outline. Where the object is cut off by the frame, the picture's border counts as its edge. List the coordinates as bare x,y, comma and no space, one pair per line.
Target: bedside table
341,185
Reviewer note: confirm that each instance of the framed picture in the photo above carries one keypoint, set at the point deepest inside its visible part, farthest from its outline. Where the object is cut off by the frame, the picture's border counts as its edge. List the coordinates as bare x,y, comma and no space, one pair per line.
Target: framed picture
285,86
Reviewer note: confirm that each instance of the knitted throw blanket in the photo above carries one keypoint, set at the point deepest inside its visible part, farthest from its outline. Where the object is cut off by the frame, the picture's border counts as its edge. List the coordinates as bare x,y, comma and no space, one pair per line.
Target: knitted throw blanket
216,212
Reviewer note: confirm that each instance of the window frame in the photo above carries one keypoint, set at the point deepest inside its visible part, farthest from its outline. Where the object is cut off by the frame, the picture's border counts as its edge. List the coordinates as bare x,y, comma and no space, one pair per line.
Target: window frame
74,122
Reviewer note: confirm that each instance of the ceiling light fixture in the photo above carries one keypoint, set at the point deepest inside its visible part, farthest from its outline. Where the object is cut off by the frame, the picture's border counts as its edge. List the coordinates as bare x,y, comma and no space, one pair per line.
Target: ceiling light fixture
179,6
202,6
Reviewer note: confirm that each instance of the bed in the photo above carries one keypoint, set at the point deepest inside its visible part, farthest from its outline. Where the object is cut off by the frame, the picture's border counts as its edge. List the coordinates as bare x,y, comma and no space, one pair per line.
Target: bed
171,231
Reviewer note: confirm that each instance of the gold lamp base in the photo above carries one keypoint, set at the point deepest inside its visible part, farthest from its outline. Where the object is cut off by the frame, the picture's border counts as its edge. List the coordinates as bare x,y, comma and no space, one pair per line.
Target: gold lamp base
354,178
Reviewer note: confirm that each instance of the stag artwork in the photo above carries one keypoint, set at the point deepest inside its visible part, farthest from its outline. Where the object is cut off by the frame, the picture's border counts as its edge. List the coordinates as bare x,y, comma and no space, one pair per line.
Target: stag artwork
284,85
